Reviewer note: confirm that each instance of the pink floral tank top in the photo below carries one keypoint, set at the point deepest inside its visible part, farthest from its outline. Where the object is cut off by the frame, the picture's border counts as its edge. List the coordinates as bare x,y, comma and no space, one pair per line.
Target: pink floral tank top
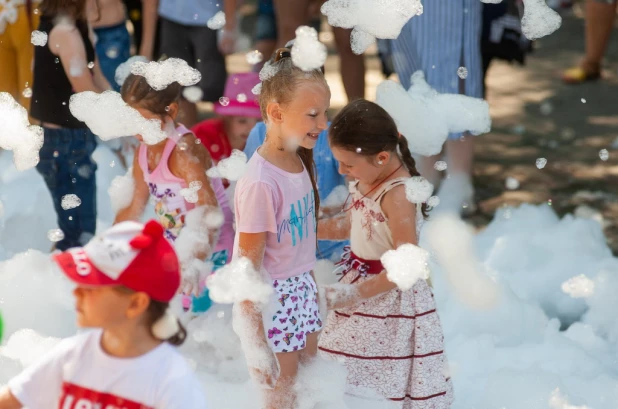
170,206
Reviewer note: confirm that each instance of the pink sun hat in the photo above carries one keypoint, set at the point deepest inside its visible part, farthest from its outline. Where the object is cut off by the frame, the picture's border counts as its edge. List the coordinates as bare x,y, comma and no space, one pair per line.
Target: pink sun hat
241,100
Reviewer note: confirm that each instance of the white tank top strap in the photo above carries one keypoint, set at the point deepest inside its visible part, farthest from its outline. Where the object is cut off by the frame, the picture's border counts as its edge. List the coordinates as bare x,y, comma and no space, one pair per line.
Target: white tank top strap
386,187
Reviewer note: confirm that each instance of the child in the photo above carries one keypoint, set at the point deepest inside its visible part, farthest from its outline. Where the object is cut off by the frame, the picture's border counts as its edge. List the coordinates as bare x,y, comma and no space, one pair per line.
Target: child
238,114
164,169
125,280
390,340
66,65
276,205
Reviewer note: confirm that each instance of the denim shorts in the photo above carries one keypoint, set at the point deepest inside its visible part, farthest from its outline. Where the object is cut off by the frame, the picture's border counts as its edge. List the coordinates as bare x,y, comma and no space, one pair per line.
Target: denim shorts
113,48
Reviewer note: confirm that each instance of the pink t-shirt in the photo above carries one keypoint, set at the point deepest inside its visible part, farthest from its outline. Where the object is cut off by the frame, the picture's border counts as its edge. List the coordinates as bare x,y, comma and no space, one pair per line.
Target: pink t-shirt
269,199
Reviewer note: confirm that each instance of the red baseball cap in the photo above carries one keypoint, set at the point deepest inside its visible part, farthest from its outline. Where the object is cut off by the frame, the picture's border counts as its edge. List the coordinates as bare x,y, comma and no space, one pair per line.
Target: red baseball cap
130,254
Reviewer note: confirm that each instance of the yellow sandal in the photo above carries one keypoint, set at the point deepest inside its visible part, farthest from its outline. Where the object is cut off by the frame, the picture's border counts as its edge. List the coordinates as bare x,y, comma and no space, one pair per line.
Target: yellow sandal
577,75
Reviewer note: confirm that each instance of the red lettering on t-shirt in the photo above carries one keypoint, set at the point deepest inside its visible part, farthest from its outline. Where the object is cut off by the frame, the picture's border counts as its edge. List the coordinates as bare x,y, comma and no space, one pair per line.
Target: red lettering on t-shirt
78,397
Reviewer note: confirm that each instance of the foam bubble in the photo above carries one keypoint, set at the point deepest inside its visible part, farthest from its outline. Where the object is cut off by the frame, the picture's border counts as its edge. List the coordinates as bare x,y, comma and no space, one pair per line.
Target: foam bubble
308,53
231,168
17,135
108,116
406,265
539,19
161,74
38,38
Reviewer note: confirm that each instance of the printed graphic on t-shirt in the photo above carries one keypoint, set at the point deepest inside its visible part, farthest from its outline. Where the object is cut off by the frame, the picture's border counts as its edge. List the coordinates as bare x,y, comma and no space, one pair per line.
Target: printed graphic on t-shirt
301,214
78,397
170,208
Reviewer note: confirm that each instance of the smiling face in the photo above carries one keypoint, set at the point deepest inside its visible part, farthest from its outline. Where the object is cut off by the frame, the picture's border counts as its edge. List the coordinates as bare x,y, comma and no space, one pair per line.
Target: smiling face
301,121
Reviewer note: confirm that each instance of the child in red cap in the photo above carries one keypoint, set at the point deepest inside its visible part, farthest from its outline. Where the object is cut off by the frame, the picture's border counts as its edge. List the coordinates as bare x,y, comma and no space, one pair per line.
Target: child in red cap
238,112
125,279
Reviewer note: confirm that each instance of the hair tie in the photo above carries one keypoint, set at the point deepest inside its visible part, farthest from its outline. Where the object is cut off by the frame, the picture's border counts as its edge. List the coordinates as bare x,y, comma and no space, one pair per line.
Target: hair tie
283,53
166,327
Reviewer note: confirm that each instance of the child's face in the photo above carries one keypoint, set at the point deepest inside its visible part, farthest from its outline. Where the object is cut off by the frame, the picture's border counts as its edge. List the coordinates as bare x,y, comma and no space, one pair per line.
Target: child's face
305,116
356,166
239,127
101,307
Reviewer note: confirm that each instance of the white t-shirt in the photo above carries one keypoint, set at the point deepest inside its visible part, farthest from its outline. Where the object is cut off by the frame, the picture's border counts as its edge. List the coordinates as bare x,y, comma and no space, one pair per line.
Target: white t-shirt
78,374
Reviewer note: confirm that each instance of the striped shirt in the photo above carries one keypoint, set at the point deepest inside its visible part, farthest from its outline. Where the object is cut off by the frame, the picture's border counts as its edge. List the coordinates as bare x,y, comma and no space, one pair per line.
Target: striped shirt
445,37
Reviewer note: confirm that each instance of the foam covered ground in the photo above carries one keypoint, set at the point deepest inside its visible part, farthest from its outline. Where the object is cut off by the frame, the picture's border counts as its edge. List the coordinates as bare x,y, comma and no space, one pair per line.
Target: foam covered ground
535,340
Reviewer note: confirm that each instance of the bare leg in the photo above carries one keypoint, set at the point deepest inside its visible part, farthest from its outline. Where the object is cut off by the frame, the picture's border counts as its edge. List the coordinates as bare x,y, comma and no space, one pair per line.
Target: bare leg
290,15
460,154
283,395
427,170
600,18
352,66
311,349
188,113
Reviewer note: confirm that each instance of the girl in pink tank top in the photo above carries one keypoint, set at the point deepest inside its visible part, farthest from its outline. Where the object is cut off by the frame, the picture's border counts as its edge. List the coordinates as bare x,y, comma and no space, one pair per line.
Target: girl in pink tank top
173,174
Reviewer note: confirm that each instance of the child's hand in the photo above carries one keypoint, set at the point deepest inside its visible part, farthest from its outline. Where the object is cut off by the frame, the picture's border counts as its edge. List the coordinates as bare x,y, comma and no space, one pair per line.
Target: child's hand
265,371
193,274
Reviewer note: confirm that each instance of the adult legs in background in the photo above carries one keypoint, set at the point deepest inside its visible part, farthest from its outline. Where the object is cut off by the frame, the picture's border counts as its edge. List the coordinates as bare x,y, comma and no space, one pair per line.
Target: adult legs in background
600,17
67,167
290,15
265,32
113,48
352,66
198,47
16,56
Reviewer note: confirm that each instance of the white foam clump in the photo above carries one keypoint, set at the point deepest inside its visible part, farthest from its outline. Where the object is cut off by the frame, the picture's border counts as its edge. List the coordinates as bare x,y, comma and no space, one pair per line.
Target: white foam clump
232,168
257,90
109,117
322,384
70,201
30,282
161,74
406,265
193,94
370,19
579,286
17,135
190,194
121,191
38,38
324,273
426,117
558,401
539,19
27,346
336,197
195,236
418,189
268,71
217,21
237,282
308,53
124,69
452,243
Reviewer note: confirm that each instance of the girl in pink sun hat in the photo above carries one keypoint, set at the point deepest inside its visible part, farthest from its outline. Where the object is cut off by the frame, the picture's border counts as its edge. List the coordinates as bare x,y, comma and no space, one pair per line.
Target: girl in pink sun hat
238,111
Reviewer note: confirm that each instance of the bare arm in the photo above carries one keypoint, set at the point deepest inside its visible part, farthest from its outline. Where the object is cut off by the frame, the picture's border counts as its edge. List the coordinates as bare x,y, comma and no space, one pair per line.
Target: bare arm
401,215
66,42
335,228
150,15
140,195
7,400
227,43
191,165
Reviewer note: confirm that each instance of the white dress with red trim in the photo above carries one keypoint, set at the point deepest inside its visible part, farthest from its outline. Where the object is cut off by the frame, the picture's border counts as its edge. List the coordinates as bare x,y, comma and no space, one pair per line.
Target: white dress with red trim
392,344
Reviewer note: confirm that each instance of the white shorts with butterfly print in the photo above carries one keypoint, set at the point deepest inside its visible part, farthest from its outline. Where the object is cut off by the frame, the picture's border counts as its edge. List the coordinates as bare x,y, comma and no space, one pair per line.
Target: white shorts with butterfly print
292,314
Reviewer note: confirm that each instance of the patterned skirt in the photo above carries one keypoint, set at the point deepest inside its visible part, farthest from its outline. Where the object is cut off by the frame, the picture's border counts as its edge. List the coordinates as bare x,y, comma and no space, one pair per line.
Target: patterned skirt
393,345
